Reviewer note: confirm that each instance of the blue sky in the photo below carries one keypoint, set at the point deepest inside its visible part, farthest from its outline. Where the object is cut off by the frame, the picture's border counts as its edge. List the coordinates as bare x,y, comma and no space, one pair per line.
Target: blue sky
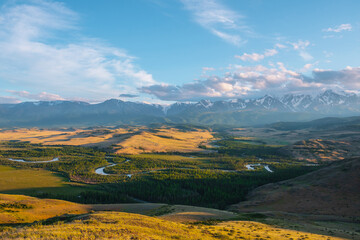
163,51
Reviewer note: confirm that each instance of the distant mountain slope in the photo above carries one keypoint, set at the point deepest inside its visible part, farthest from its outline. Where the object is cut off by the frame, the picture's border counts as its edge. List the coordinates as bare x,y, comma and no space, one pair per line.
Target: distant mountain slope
332,123
332,190
234,112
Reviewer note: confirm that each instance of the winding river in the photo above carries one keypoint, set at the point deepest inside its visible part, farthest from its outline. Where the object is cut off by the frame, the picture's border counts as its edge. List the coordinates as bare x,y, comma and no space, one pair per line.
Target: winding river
100,170
251,167
24,161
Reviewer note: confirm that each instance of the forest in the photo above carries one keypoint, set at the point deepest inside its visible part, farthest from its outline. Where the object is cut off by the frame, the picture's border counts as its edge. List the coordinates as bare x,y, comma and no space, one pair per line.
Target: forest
215,179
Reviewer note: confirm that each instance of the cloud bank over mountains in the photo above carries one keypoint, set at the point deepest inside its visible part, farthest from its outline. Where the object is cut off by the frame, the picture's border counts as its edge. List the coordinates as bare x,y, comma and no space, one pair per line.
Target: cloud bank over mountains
257,80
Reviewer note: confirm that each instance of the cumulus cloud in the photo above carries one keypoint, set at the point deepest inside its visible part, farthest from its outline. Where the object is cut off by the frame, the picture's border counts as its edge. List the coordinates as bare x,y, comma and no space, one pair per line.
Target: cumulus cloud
218,19
35,55
249,81
308,66
255,57
346,79
339,28
43,96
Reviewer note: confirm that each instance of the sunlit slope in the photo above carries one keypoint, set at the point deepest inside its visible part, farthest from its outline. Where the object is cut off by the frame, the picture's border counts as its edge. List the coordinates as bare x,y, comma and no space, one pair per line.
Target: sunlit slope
131,140
24,209
175,213
77,137
165,140
114,225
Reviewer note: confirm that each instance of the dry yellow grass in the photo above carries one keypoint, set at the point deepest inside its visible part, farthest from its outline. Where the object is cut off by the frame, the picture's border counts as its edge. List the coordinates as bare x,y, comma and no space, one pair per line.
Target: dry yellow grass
112,225
61,137
175,213
119,225
164,140
13,178
125,140
35,209
255,230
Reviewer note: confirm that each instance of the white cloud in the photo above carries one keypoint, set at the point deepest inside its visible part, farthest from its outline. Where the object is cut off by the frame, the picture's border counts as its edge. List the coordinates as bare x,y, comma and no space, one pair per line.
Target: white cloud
256,56
208,69
218,19
280,46
308,66
249,81
35,56
301,46
9,99
339,28
43,96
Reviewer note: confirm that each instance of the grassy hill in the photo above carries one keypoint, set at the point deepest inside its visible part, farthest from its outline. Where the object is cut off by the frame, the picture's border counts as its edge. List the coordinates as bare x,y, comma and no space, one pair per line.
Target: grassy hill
118,225
17,209
332,190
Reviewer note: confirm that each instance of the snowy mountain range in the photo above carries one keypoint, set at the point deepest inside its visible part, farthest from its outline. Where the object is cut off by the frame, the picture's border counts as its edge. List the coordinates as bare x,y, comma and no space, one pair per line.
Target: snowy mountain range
262,110
326,102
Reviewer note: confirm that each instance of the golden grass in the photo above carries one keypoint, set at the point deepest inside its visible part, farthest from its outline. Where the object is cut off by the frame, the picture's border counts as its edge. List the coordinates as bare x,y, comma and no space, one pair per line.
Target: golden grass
36,209
109,225
113,225
175,213
165,140
255,230
125,140
120,225
12,179
60,137
36,181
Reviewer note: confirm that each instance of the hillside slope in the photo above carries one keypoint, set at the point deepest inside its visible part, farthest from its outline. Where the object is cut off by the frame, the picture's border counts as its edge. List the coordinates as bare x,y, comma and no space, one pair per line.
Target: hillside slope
24,209
114,225
332,190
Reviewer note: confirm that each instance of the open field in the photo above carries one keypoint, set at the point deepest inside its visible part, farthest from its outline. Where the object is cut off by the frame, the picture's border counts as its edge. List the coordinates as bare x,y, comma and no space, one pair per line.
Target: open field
164,140
60,137
37,182
131,140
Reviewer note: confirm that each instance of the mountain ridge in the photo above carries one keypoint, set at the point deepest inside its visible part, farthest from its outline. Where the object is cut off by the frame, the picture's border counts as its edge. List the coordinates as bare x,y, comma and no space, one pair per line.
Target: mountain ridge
231,112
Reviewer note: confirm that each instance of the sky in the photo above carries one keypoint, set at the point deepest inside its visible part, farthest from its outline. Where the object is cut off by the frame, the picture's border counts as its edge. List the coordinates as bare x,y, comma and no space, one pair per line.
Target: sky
163,51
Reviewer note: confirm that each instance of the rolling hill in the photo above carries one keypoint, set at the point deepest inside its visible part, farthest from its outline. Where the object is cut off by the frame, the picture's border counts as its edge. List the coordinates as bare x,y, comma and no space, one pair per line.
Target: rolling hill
332,190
